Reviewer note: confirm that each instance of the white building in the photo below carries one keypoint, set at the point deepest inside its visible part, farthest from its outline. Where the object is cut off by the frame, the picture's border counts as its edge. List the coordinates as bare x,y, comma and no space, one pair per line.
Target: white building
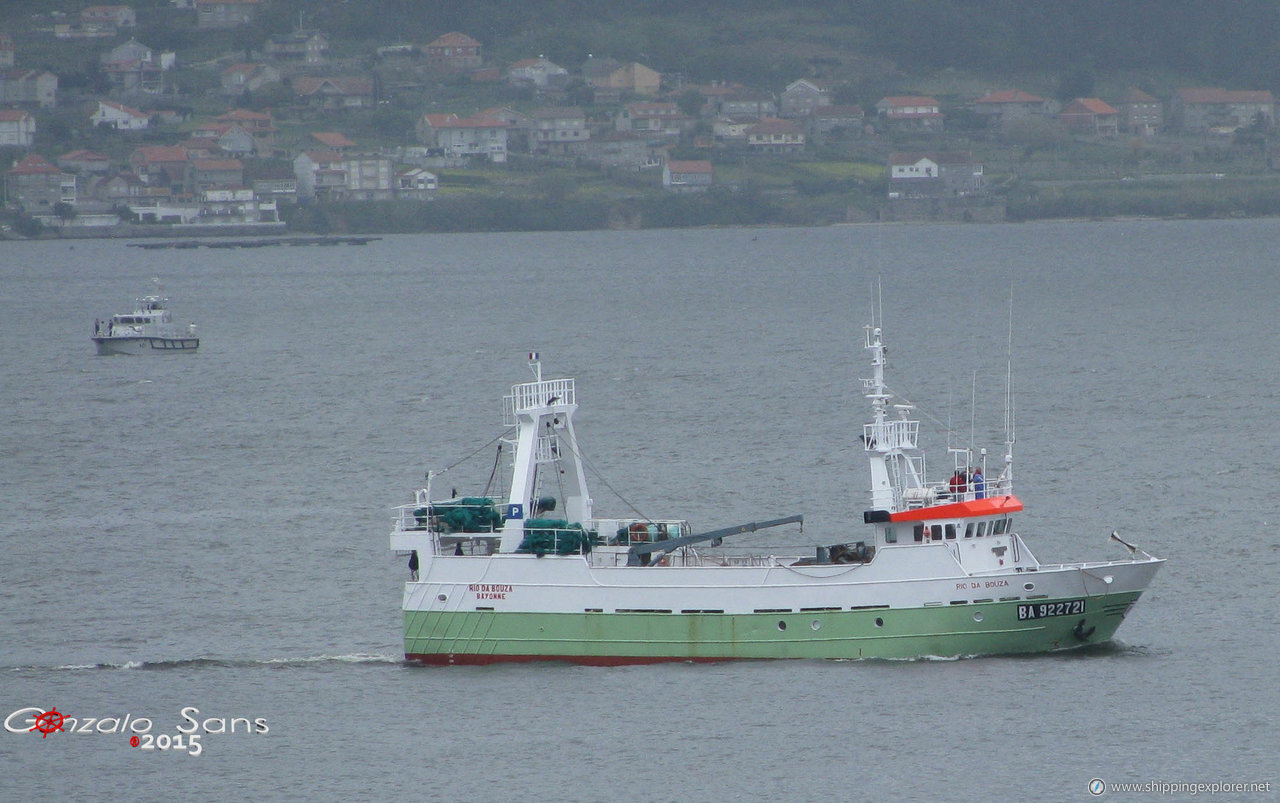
416,184
119,117
332,176
17,128
465,136
539,73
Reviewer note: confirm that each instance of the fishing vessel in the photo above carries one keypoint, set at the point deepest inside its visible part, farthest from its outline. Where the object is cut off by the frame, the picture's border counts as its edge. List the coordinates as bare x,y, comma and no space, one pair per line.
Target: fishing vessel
940,568
149,329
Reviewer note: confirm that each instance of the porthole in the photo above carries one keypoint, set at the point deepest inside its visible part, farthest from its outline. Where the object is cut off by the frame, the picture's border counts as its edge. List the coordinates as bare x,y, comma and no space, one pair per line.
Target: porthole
977,616
815,625
879,622
1029,586
782,625
441,597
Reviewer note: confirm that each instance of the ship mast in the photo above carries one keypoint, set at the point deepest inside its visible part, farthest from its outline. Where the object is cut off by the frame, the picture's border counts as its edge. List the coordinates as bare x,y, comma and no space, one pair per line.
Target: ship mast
896,475
542,412
1006,473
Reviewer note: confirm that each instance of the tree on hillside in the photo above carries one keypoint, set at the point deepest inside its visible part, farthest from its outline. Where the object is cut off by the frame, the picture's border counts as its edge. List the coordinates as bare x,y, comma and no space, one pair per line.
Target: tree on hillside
1075,84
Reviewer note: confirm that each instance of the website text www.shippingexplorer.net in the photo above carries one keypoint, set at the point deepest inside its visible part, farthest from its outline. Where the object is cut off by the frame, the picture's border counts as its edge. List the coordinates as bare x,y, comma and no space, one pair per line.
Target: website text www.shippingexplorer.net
1098,787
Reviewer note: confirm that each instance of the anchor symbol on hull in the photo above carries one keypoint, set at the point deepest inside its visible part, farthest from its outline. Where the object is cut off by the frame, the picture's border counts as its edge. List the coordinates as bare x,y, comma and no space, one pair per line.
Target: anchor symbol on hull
1080,633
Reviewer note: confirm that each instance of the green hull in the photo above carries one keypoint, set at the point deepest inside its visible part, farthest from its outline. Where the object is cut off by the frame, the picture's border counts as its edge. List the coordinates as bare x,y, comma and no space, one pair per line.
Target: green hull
482,637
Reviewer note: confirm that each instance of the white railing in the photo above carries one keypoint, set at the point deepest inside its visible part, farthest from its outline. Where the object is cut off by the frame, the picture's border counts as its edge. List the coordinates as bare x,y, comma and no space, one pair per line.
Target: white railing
941,493
891,434
547,449
536,395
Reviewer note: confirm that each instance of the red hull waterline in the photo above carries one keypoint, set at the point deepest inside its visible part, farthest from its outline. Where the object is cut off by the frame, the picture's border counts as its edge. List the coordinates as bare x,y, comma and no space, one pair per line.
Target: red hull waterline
473,659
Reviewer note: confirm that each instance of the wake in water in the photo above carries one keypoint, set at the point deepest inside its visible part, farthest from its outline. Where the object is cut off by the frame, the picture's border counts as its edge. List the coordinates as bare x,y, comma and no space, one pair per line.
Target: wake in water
237,663
1109,649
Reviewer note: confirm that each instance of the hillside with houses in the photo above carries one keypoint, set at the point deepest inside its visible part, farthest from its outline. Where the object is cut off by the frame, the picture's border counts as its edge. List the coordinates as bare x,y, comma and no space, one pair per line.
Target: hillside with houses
245,115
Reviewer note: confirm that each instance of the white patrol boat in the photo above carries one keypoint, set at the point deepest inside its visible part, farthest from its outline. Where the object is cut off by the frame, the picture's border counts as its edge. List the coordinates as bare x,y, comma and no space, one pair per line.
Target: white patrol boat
941,571
149,329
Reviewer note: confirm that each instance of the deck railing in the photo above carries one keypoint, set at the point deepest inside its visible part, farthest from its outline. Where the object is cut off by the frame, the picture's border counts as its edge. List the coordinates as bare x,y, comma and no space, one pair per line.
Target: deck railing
941,493
535,395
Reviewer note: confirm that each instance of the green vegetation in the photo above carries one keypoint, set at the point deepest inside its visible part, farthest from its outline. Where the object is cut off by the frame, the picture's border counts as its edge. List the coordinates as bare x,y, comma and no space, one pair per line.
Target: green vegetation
1196,198
456,213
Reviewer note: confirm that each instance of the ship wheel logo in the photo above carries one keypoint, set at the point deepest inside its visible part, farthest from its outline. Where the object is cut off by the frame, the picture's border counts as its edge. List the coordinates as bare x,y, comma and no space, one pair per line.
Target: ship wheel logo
48,722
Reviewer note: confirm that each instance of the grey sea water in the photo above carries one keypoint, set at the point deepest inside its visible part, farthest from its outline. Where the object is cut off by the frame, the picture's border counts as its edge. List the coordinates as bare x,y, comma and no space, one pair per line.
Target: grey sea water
208,531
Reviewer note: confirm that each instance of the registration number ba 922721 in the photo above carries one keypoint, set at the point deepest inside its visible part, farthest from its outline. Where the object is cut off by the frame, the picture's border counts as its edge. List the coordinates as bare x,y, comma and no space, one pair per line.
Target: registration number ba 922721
1043,610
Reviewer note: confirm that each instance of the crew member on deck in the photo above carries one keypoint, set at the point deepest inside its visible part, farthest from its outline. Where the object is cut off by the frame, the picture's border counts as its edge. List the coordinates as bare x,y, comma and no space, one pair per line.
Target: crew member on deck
413,565
959,484
979,483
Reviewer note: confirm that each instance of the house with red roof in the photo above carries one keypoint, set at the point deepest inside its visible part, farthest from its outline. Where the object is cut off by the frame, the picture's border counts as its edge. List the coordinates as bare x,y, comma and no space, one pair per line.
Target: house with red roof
732,130
1220,111
261,125
230,137
687,176
35,185
454,51
333,141
123,186
837,119
82,161
775,135
519,126
653,119
208,174
119,117
557,129
17,127
202,148
350,92
1006,106
1090,116
464,137
160,165
255,122
321,175
911,112
248,77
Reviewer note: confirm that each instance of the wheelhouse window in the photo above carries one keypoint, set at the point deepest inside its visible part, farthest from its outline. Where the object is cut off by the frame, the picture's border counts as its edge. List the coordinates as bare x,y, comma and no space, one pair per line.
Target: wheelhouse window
968,530
890,535
982,528
937,532
951,532
917,533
